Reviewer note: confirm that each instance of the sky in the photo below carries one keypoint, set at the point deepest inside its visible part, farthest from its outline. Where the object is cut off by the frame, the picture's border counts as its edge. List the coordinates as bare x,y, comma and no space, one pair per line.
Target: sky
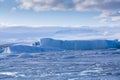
62,13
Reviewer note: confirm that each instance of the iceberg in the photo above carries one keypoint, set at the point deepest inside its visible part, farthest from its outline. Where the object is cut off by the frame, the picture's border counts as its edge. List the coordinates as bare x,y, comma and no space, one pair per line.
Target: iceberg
31,49
49,44
79,44
1,50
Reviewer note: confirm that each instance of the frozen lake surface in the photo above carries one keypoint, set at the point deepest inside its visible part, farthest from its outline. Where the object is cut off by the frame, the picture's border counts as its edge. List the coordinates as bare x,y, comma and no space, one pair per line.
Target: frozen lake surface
61,65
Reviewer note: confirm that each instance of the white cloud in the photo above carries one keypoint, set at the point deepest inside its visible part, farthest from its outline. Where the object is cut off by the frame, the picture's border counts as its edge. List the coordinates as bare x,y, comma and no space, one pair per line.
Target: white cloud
5,24
110,9
13,8
44,5
116,18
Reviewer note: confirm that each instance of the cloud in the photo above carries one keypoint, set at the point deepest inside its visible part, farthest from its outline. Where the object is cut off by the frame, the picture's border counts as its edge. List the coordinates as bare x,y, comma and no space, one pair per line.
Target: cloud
110,9
13,9
97,4
44,5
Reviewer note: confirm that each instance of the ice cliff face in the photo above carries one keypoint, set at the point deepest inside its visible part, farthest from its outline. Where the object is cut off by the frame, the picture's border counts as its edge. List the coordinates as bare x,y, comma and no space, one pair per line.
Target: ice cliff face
79,44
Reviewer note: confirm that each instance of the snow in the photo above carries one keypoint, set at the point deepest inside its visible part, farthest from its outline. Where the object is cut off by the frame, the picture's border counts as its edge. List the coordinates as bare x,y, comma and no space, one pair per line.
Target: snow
12,74
7,50
68,53
61,65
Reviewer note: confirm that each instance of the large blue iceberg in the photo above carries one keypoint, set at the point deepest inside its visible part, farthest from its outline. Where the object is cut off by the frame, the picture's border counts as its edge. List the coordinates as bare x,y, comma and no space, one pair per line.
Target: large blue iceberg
48,44
79,44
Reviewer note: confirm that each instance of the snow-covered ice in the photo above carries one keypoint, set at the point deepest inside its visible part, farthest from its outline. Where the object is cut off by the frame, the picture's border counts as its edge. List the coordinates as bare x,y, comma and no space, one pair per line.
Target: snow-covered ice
75,54
61,65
